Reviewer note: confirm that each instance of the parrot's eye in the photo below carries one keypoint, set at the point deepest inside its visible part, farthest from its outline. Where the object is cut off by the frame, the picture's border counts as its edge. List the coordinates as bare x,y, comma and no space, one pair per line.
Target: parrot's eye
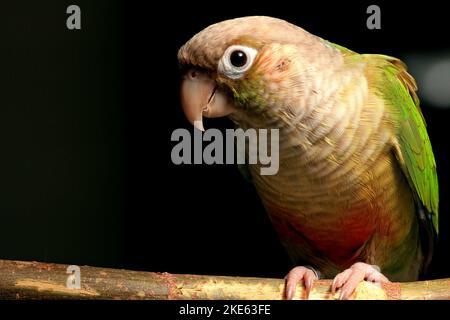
238,58
236,61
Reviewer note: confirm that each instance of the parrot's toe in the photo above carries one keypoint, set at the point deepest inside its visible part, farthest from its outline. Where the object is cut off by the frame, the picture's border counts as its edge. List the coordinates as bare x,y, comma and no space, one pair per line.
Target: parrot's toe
297,274
349,279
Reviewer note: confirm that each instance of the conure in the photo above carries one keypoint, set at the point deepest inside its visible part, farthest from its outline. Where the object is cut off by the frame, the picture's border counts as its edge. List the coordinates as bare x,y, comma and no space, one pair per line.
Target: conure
356,195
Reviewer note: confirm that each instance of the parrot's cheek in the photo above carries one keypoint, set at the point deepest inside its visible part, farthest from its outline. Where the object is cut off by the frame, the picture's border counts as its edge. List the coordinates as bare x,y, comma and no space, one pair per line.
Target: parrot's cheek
200,98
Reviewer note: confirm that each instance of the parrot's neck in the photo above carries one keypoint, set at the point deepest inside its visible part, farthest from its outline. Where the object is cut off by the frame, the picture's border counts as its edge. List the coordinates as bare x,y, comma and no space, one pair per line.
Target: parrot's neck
323,148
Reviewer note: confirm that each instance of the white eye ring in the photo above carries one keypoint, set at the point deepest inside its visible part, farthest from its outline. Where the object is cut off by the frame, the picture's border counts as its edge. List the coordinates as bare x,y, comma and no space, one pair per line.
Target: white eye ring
241,54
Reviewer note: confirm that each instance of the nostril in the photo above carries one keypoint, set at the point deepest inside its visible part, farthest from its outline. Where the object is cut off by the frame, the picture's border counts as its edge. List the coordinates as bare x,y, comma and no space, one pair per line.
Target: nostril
193,74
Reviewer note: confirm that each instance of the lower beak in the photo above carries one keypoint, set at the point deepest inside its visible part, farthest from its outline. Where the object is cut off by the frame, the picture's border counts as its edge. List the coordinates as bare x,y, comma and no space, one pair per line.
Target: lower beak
201,97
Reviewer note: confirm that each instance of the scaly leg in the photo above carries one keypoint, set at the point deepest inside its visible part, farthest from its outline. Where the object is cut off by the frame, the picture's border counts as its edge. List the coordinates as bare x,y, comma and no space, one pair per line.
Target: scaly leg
349,279
306,274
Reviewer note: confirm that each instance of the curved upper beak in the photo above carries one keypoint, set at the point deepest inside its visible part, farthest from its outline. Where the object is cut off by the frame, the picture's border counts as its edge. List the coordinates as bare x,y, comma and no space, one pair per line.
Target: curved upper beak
200,97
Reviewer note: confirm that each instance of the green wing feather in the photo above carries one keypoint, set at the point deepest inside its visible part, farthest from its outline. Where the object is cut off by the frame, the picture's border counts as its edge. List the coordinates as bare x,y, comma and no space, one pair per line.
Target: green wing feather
413,147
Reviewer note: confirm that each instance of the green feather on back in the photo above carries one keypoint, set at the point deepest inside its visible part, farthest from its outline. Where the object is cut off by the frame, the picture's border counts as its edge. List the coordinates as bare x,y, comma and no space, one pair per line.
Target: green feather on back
412,146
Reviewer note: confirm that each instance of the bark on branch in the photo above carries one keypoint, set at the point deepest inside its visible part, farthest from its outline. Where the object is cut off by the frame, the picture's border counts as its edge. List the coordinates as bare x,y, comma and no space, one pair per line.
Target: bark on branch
35,280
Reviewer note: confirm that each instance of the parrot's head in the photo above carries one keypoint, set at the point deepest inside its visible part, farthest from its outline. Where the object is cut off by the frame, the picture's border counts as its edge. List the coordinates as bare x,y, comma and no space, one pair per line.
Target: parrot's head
246,67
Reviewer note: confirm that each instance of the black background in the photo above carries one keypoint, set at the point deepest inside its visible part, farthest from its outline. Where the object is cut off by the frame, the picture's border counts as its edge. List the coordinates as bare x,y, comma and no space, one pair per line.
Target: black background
85,124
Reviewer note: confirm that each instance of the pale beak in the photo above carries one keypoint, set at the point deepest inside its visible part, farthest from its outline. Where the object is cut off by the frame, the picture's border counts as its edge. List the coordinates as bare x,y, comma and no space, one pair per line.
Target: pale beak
200,97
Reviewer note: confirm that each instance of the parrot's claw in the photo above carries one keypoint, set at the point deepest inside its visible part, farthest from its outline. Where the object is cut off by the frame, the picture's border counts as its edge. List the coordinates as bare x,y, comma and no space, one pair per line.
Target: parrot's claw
306,274
349,279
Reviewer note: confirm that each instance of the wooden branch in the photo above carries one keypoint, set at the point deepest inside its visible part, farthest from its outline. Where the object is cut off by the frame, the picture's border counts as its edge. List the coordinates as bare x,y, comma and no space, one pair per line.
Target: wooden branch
34,280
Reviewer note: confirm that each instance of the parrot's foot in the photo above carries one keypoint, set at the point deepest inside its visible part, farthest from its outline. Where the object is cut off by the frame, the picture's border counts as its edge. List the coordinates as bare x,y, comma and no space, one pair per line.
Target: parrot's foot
306,274
349,279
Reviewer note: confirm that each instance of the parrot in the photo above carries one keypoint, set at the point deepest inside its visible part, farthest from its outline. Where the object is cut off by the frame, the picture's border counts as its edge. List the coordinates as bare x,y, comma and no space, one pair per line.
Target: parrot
356,195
